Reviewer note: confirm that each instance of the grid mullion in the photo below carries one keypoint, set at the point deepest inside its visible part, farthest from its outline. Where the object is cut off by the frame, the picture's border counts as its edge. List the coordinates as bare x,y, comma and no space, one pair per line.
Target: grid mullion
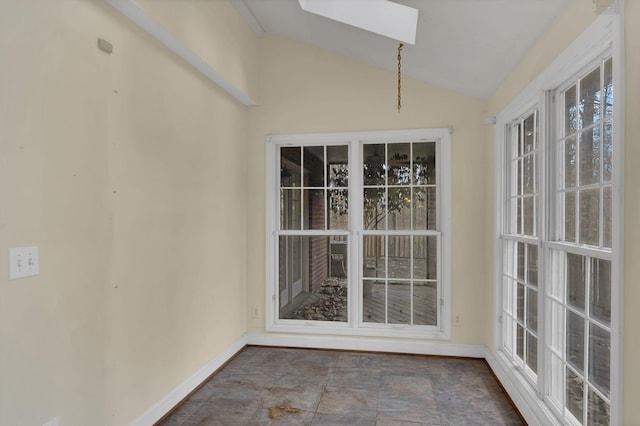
327,202
587,330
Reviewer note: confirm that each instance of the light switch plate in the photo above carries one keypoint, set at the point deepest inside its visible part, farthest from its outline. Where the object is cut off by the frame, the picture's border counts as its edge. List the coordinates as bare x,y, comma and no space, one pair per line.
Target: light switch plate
23,262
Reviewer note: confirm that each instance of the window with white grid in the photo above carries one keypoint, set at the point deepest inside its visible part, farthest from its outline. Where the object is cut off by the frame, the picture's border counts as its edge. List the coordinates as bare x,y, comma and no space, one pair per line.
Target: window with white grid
521,246
358,233
558,300
580,251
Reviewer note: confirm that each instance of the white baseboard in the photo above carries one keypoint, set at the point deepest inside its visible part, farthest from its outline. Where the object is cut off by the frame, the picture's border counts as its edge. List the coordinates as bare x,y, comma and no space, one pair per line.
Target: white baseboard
167,403
532,408
367,344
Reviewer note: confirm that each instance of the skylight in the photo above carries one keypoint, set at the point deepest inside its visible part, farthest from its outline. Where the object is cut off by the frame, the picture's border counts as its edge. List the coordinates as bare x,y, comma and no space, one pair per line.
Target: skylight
383,17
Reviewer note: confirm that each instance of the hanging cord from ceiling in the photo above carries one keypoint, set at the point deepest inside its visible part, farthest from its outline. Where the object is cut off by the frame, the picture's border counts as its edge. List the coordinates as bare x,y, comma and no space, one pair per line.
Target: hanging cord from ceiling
400,46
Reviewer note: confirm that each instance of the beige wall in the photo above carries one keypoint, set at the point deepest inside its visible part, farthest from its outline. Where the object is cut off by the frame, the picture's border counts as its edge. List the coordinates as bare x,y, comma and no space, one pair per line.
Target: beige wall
305,90
216,33
572,22
53,169
127,171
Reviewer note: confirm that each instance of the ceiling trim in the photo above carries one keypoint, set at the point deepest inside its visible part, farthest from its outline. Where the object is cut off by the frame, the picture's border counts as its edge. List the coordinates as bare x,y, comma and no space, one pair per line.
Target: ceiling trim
248,16
144,21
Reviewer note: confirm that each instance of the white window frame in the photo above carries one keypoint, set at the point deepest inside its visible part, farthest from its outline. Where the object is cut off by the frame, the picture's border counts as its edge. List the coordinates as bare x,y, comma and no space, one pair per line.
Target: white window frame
354,326
522,238
602,39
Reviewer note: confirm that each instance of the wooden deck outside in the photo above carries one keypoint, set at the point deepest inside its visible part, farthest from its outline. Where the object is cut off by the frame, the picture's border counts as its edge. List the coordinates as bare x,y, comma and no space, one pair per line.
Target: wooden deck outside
391,303
399,303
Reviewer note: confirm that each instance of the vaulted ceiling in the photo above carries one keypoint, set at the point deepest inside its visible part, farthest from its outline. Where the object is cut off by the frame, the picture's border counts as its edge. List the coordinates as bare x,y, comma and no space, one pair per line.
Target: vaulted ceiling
468,46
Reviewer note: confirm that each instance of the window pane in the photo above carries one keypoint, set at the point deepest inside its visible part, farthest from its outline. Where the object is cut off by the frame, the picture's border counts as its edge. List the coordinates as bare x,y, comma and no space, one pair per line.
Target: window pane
399,256
310,289
607,151
590,156
338,206
374,208
519,215
600,294
528,213
532,352
532,265
399,164
425,257
570,111
290,215
374,306
338,253
424,208
529,135
399,302
521,257
424,163
314,209
529,174
570,151
607,212
599,357
608,87
313,166
598,411
425,303
575,281
559,277
520,303
590,217
338,165
290,164
373,249
399,207
575,341
520,341
374,165
532,310
519,178
570,216
590,99
575,394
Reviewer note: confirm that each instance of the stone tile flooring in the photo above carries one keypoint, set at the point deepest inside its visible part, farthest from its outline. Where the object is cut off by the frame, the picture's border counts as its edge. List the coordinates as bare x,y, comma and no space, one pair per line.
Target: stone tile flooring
320,387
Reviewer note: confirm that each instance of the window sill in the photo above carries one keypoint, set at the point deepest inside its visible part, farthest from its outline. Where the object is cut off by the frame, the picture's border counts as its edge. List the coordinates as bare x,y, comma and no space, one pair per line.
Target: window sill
344,329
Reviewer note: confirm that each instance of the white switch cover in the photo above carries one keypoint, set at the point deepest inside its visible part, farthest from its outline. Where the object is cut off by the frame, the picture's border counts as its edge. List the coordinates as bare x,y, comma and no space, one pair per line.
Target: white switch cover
23,262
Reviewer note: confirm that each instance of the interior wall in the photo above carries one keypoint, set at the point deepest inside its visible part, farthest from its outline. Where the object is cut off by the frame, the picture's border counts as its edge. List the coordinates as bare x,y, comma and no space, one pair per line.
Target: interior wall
53,184
127,170
303,89
567,27
228,45
176,295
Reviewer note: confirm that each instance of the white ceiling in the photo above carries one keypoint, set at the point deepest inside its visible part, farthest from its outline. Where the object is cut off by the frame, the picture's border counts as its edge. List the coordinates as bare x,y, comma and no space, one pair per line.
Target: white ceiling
468,46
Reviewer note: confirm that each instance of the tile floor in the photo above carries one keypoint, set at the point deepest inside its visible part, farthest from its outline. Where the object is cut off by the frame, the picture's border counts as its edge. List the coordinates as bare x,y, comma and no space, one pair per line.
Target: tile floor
320,387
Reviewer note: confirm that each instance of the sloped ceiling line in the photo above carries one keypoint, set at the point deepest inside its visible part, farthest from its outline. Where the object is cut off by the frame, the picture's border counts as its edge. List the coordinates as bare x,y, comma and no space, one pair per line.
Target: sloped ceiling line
144,21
